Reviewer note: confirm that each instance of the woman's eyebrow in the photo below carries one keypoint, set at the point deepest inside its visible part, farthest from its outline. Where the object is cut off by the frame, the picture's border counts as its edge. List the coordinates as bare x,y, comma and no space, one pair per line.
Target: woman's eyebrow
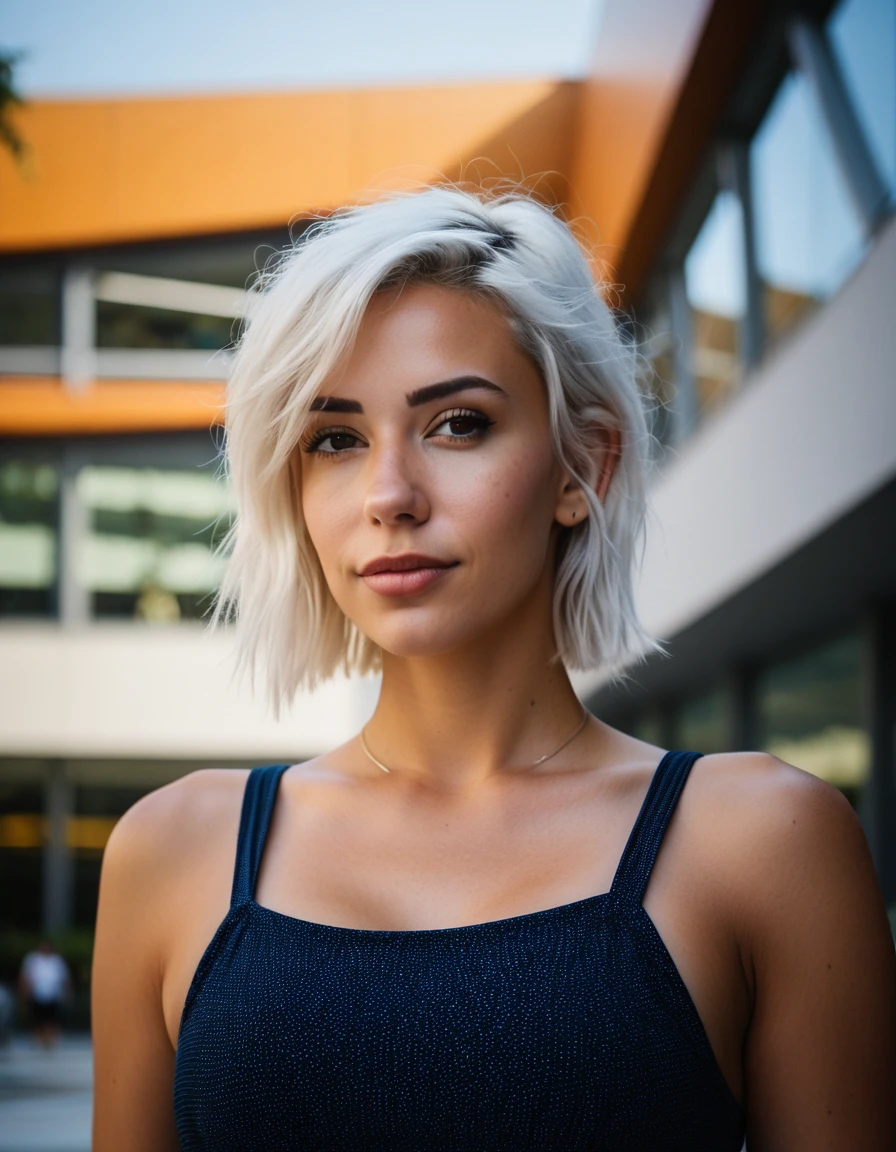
334,404
449,387
420,396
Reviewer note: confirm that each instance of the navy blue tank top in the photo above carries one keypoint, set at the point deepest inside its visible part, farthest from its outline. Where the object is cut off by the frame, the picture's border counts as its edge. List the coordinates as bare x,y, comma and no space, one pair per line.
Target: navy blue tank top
568,1028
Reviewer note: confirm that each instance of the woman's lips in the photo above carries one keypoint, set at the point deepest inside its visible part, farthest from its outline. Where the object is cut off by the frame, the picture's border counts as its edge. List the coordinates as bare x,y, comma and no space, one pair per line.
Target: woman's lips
408,576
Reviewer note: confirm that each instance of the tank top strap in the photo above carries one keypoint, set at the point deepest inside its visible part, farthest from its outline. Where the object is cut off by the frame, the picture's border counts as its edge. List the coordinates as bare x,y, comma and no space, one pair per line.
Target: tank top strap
255,818
630,881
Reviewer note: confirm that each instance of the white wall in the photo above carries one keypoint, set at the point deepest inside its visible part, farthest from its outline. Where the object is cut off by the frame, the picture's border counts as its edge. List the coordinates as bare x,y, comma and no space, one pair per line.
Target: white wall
141,691
811,434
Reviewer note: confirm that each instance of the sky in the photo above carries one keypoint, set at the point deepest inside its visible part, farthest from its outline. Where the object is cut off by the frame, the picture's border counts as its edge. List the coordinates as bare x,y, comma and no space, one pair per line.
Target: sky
117,47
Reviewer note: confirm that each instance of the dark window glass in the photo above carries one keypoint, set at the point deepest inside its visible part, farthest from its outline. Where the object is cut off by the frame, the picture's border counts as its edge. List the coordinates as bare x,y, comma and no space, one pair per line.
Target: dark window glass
229,263
97,808
701,724
21,855
810,714
647,727
177,298
29,307
106,800
21,891
28,534
131,326
86,887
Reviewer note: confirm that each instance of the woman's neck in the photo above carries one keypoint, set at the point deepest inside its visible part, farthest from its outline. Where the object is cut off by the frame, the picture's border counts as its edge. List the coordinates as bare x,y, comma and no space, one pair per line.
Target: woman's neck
457,719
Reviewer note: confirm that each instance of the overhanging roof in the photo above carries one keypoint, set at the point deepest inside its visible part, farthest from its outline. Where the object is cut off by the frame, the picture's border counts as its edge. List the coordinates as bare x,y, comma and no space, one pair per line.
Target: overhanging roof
104,171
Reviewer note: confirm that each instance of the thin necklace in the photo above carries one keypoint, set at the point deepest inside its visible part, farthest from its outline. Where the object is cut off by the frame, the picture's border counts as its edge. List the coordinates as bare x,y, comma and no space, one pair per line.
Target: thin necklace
540,760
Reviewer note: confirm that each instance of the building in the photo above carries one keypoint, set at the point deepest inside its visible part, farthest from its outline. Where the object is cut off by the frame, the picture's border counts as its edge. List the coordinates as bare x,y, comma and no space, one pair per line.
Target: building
762,261
738,162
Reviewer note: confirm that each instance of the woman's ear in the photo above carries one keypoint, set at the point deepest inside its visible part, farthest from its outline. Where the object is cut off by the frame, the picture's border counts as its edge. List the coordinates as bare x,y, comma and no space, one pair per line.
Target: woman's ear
572,507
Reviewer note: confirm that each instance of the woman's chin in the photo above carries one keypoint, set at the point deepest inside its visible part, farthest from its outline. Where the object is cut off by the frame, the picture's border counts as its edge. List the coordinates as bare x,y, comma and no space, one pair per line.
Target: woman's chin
422,640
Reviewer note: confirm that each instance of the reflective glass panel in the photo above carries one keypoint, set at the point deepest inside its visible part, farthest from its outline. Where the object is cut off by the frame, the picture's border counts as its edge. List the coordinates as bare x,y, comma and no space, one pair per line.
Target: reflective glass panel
716,287
28,534
172,297
133,326
21,854
647,727
809,712
149,550
863,35
808,238
701,724
97,810
29,307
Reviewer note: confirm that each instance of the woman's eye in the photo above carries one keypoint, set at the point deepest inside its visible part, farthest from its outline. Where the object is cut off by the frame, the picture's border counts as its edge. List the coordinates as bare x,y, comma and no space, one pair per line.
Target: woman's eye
331,443
462,425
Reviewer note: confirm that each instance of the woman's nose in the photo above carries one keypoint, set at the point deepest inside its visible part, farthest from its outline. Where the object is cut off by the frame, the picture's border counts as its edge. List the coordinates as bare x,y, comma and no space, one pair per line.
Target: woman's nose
393,495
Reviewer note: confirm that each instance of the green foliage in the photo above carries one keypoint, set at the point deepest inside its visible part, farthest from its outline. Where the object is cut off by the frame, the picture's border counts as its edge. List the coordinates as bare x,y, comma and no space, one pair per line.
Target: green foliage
9,99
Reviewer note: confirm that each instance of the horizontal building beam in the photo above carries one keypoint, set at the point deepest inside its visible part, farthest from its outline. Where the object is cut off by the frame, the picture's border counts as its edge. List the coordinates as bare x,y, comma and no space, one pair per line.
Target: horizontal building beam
171,295
44,407
121,363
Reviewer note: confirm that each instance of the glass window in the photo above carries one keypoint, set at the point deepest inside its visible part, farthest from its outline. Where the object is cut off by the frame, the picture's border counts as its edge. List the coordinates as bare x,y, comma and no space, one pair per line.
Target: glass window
134,326
701,724
150,319
658,348
149,550
715,280
231,262
28,518
808,237
29,307
863,35
647,727
21,854
97,810
810,714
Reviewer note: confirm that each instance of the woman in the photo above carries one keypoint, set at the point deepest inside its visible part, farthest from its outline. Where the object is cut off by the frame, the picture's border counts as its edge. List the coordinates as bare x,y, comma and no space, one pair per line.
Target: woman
489,921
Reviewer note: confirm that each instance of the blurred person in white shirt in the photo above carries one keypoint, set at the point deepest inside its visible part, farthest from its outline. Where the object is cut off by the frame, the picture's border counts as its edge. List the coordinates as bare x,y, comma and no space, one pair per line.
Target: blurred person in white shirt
45,982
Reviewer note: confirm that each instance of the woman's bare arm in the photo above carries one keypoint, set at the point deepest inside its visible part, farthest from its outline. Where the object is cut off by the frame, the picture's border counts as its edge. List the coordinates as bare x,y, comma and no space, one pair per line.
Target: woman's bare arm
133,1057
821,1051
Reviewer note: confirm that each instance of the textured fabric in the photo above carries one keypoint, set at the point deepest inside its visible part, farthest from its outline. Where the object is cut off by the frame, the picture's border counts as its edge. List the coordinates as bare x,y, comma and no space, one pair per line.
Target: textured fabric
567,1029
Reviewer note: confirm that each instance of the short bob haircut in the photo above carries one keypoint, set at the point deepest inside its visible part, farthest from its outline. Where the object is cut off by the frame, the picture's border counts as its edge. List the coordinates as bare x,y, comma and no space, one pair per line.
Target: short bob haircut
510,250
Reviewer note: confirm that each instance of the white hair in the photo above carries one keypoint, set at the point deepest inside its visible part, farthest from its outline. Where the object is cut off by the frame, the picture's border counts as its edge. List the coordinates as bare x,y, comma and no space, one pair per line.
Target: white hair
511,250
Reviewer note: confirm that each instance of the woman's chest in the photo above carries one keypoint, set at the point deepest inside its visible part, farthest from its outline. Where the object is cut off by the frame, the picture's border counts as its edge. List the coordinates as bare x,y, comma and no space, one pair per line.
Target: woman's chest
549,1026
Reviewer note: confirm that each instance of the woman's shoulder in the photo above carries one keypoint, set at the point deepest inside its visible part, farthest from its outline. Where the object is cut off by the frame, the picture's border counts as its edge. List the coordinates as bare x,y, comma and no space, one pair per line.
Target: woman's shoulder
782,843
184,805
754,794
193,818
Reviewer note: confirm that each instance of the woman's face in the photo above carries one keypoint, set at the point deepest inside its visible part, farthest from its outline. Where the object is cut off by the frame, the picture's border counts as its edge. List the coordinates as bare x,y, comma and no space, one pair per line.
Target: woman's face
429,485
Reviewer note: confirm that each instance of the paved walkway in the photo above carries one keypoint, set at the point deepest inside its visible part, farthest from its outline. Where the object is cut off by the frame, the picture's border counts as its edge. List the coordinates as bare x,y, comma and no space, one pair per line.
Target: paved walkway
45,1097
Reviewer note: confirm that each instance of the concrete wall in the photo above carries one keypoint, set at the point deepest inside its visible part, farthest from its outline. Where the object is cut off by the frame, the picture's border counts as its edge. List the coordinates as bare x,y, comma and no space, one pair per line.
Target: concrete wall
141,692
